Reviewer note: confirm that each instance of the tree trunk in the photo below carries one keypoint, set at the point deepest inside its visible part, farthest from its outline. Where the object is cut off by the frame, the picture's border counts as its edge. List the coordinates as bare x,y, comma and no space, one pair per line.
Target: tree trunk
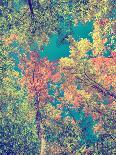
43,145
40,128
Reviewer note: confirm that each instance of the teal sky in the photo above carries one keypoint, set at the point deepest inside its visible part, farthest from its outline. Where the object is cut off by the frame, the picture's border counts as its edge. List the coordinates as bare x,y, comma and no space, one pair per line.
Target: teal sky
54,51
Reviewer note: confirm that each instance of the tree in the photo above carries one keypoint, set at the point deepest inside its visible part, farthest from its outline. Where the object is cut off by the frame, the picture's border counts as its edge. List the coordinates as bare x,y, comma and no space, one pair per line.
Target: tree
86,78
17,134
89,81
48,17
36,75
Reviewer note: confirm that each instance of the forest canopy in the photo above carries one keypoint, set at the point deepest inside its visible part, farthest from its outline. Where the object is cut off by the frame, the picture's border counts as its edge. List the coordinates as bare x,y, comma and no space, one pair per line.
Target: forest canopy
65,105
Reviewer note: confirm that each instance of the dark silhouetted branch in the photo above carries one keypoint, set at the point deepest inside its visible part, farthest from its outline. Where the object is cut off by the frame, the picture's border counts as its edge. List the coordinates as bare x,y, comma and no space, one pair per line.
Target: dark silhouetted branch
30,6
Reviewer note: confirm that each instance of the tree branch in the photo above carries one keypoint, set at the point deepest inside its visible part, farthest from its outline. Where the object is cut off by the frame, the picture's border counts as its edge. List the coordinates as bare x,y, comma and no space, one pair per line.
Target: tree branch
30,6
99,87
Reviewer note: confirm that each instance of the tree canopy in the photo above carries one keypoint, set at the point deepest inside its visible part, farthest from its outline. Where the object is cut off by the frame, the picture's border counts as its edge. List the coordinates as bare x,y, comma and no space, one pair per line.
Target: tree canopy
57,107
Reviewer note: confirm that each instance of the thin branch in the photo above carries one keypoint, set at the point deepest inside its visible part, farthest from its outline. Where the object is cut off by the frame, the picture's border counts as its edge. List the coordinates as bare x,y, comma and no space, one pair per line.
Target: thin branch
99,87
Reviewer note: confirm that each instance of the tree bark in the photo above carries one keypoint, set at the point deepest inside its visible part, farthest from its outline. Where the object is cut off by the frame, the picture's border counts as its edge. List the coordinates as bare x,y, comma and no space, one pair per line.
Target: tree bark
43,143
40,128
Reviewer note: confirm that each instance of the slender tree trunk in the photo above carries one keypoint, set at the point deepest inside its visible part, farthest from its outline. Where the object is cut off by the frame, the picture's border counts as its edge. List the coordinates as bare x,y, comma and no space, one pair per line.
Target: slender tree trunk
43,147
40,128
43,142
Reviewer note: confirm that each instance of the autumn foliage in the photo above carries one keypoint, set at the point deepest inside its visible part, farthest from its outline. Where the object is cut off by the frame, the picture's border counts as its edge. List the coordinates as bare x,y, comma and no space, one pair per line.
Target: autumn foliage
66,106
36,75
90,80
